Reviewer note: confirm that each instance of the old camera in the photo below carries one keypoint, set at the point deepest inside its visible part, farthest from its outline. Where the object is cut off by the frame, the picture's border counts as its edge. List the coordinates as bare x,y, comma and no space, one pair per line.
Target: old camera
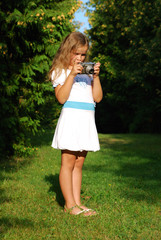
88,67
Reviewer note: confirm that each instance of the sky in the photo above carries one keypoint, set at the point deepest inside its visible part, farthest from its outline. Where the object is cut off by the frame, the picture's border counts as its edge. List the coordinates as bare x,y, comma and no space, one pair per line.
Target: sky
79,16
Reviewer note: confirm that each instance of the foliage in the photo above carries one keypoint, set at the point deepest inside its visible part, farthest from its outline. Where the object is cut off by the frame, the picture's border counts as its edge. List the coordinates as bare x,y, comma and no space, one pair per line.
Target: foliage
121,182
31,32
126,38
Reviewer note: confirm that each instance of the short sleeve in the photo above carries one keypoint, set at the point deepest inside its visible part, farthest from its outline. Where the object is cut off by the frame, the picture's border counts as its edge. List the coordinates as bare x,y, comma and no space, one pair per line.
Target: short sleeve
60,80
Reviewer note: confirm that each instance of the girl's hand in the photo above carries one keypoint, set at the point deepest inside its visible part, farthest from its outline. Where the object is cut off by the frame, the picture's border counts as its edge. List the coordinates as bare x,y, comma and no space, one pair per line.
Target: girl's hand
97,69
77,68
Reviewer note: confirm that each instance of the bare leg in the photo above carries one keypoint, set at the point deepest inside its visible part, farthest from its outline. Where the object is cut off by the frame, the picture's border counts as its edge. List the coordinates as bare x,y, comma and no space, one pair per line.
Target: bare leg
70,179
77,181
65,179
77,176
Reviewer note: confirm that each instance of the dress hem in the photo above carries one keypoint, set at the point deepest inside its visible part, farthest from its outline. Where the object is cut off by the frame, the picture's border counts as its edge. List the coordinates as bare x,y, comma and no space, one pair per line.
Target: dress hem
78,150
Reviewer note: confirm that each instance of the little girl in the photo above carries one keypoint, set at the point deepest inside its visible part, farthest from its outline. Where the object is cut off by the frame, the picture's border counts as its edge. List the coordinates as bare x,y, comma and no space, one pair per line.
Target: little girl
76,132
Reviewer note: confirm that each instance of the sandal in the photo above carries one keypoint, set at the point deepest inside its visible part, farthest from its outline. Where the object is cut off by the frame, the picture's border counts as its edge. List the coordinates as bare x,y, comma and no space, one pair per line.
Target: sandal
69,210
93,212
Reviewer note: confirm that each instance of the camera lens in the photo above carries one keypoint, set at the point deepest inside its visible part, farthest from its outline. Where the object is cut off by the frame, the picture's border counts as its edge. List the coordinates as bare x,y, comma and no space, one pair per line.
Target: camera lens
91,71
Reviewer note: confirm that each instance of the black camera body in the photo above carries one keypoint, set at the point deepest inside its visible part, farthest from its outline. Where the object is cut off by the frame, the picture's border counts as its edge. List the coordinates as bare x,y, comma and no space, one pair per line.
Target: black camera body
88,67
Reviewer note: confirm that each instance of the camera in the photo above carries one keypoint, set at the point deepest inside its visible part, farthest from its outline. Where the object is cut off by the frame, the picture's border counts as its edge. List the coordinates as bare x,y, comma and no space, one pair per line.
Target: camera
88,67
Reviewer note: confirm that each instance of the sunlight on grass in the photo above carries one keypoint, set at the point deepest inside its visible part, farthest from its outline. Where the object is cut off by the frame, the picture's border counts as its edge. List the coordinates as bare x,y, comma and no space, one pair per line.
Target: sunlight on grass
121,181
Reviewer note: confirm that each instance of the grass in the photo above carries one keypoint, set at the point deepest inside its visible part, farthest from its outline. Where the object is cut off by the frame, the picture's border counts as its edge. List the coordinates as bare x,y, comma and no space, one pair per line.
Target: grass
122,182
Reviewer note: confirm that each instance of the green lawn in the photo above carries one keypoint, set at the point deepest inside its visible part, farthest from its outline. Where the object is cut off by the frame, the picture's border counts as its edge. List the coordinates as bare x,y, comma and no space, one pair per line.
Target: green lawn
122,182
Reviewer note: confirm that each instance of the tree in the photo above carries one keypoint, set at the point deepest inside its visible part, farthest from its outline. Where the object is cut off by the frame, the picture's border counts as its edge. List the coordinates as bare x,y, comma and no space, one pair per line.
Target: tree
126,38
31,32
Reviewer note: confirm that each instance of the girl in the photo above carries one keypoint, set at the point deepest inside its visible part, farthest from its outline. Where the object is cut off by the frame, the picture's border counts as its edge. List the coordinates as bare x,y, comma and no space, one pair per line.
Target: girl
76,132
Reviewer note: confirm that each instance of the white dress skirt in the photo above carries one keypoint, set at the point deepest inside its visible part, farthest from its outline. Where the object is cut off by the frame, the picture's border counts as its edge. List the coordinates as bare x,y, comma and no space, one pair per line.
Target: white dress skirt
76,128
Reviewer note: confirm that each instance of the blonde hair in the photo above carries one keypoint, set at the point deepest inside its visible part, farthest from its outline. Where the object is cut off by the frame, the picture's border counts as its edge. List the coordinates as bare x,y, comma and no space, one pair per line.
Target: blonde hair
62,58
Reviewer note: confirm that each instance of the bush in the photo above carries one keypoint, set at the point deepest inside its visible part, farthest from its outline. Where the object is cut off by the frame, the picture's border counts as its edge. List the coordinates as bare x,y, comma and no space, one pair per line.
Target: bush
31,32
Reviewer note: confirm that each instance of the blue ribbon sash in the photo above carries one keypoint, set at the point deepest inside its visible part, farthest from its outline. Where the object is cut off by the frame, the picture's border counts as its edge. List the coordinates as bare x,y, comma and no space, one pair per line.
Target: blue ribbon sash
79,105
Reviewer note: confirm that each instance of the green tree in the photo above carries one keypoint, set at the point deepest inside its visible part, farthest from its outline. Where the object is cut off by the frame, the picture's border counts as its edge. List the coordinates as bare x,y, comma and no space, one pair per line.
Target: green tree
31,32
126,38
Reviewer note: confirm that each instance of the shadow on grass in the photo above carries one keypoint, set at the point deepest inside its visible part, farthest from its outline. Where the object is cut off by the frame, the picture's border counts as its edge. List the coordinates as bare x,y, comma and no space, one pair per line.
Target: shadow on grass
7,168
13,164
134,161
7,223
55,187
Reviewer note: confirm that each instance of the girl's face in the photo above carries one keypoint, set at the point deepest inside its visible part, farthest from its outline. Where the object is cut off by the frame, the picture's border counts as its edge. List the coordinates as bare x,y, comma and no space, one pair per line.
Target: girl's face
78,55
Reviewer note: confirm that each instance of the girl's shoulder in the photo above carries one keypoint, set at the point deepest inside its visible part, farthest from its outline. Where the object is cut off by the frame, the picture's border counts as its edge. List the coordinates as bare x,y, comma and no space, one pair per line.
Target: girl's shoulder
59,77
59,73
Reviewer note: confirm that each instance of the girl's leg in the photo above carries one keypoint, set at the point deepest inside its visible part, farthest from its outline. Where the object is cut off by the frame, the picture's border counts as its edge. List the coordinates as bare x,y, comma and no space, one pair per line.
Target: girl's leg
70,179
77,181
77,176
65,179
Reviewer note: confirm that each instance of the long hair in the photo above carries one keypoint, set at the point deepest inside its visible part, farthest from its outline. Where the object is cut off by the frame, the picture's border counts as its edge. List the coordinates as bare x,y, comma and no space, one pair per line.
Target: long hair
62,58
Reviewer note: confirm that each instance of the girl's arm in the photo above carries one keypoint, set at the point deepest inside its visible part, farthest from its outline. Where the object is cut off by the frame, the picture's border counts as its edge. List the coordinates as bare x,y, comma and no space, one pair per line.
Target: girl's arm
97,88
62,92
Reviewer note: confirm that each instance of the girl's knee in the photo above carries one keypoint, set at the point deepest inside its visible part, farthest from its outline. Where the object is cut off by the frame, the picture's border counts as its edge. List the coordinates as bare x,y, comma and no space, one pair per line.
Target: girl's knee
68,160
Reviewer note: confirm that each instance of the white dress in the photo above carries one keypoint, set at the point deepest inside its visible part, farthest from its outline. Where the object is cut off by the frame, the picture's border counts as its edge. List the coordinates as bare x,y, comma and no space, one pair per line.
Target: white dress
76,128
